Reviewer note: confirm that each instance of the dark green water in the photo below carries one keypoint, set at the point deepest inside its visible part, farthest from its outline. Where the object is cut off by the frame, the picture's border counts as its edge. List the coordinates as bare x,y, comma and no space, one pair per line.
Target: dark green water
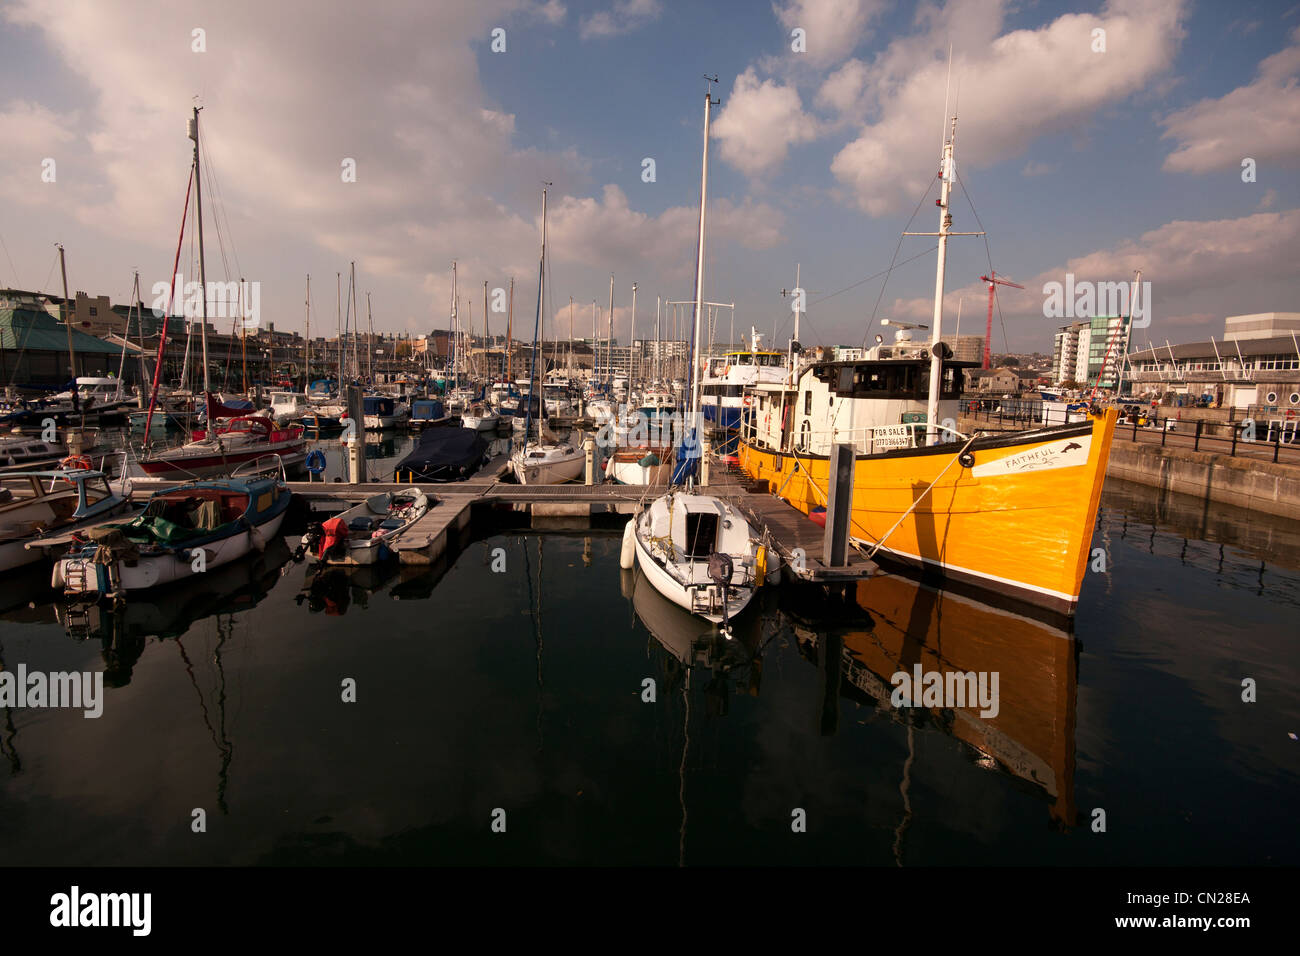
522,691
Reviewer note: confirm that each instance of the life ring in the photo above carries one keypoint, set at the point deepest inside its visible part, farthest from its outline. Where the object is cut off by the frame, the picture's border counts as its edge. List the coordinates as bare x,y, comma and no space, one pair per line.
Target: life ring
77,463
315,461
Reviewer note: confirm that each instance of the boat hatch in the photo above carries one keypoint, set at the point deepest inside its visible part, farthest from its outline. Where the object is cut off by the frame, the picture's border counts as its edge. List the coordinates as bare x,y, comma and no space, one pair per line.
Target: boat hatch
701,533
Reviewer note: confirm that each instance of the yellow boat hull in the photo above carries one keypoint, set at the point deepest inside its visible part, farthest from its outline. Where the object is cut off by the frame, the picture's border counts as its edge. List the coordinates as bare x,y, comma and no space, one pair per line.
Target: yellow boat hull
1015,517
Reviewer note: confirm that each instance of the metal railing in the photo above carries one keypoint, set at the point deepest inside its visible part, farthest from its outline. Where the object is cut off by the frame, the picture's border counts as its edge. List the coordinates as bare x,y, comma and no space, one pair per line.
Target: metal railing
863,439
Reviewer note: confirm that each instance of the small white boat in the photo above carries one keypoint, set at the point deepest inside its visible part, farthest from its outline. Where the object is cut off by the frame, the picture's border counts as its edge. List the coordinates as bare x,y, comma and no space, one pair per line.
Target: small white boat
366,533
697,551
288,407
481,417
646,465
548,464
35,505
601,411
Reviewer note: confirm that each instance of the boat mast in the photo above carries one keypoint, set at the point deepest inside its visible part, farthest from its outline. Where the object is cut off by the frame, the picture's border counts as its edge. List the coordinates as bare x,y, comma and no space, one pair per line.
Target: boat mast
352,286
67,325
945,228
453,339
699,263
370,342
243,337
126,335
510,334
306,345
658,339
338,300
485,333
536,393
609,336
139,323
203,273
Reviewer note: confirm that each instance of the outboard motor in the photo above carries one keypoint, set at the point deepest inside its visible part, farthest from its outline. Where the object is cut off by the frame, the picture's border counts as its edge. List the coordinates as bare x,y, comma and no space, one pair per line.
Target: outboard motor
309,541
720,574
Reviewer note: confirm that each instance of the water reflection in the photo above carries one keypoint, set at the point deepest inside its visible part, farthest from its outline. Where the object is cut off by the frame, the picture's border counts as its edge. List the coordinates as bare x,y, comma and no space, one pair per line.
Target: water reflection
332,589
539,663
859,637
122,627
906,625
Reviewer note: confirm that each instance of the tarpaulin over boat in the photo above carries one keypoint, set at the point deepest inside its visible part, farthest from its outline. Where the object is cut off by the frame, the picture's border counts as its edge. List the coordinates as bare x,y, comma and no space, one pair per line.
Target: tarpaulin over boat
443,454
231,408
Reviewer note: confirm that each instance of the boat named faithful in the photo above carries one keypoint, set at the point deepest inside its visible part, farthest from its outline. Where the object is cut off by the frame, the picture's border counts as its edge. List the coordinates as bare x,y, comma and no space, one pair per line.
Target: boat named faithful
1012,513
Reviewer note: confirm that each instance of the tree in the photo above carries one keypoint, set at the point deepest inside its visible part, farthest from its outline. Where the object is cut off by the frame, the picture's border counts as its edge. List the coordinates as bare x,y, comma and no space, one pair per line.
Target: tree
1008,361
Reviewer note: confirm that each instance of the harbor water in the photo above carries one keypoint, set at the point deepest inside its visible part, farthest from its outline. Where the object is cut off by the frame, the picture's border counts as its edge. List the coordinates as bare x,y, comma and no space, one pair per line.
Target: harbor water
525,701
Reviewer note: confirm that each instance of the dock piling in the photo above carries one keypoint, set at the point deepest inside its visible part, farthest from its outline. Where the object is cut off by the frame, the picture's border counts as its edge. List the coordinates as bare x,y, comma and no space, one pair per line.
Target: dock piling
839,505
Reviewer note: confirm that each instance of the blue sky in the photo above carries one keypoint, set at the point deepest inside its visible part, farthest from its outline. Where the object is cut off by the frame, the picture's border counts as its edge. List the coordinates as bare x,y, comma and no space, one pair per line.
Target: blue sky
1076,160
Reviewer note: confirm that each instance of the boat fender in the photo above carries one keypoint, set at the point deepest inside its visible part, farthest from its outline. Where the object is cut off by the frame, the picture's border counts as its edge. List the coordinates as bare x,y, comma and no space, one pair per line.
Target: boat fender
627,554
256,538
760,566
315,461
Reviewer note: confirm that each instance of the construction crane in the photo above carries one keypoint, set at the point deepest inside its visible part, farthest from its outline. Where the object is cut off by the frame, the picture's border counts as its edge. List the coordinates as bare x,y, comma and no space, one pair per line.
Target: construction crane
993,282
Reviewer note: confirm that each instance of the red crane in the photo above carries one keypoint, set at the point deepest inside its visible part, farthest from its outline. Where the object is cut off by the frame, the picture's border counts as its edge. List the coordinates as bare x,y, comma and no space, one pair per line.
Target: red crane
993,282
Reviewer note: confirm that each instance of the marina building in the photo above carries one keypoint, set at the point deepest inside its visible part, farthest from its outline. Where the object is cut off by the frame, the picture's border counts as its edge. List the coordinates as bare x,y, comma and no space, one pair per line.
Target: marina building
1091,352
1255,373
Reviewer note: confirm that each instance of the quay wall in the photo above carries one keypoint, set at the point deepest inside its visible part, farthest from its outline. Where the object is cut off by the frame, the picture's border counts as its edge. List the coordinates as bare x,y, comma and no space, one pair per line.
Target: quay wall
1259,486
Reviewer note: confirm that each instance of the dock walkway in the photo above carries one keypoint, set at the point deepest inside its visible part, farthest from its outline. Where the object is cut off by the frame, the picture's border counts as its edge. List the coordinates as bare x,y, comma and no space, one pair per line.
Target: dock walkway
798,540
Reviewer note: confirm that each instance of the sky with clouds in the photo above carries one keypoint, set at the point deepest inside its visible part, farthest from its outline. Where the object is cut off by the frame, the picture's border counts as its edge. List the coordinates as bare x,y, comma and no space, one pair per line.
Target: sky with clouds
1070,158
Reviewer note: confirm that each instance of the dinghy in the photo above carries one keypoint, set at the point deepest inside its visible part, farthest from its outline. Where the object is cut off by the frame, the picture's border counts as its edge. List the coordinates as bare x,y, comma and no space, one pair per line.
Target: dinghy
366,534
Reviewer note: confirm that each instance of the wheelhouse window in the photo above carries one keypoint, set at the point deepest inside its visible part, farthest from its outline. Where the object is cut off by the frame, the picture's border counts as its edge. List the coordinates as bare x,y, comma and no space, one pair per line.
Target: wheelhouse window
894,380
97,490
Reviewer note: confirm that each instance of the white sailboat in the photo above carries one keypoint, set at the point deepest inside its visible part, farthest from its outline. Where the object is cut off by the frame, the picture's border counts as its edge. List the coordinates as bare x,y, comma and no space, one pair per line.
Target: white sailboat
537,461
696,549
